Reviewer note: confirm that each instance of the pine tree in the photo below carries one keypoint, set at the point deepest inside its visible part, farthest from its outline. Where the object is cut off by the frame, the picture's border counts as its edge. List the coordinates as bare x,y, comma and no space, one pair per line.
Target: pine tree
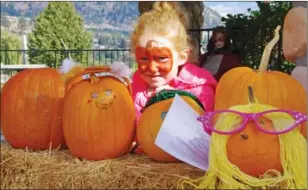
59,20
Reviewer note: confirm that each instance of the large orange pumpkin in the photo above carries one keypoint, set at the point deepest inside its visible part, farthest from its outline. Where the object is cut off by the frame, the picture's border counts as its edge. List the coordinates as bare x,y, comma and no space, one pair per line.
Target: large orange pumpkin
152,118
31,109
99,115
271,87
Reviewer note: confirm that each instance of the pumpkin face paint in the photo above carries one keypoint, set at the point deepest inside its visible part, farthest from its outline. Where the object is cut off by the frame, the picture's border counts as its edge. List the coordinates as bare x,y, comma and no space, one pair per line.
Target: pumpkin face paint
155,62
153,59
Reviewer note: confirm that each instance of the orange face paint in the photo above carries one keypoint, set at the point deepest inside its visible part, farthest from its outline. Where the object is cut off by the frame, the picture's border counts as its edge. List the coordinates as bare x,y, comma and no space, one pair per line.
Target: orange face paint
153,59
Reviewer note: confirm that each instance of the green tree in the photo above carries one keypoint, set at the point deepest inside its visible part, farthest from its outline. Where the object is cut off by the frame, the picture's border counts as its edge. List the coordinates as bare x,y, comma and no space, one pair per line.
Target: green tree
59,20
10,41
250,33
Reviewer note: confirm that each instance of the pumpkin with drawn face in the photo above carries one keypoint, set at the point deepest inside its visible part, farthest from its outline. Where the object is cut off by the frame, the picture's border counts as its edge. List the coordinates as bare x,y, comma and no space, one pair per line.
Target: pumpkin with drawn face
99,115
259,151
152,118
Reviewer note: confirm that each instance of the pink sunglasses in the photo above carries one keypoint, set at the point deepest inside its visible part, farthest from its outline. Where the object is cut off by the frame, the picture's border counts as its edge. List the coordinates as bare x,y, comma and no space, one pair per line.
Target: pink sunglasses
208,121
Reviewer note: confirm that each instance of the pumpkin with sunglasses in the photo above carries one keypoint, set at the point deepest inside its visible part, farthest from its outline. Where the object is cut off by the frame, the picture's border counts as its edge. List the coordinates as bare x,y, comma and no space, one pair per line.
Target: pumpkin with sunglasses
254,146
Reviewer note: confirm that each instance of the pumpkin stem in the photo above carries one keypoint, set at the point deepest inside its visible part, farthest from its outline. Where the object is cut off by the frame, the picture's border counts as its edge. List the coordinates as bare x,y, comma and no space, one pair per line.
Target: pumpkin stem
251,96
267,51
94,78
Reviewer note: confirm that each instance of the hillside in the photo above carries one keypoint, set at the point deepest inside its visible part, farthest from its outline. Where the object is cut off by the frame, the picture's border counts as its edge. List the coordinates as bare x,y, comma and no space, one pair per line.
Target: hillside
99,15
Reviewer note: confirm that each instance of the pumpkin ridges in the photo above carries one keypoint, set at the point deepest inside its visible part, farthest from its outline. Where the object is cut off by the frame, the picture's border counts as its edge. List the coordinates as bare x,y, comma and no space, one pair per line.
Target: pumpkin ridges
5,97
301,107
231,92
143,136
20,137
98,129
51,105
227,88
125,114
26,84
20,128
149,125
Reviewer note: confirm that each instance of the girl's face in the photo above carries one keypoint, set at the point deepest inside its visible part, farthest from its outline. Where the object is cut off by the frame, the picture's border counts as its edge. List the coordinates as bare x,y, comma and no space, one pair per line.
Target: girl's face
157,60
219,40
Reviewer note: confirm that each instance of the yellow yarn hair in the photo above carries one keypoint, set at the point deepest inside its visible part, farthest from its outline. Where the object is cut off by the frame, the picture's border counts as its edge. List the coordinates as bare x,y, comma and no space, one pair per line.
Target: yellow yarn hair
224,175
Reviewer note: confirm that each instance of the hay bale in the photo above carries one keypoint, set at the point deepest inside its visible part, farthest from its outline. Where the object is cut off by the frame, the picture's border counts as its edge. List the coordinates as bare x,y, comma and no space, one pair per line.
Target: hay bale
55,169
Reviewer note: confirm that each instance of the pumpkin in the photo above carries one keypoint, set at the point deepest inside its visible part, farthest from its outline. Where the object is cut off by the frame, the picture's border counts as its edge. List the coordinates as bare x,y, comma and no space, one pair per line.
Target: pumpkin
98,115
271,87
294,41
31,109
152,118
252,159
70,78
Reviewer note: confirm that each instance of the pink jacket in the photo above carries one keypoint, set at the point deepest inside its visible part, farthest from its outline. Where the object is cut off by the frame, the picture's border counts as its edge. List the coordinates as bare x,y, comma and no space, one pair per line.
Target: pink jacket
191,78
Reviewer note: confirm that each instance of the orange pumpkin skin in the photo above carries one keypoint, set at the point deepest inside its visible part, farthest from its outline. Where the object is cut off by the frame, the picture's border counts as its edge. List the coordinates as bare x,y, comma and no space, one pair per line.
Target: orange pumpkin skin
99,124
271,87
31,109
88,70
149,124
256,154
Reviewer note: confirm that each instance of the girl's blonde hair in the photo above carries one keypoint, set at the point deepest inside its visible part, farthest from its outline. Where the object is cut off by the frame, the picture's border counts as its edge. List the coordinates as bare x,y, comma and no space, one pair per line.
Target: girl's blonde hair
166,19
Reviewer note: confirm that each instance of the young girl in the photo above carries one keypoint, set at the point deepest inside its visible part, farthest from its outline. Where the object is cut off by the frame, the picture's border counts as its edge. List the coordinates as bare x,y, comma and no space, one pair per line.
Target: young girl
162,51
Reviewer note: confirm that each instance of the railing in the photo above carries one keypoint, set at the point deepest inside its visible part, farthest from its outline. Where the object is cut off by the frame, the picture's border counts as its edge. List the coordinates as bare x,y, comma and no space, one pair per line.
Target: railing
54,58
91,57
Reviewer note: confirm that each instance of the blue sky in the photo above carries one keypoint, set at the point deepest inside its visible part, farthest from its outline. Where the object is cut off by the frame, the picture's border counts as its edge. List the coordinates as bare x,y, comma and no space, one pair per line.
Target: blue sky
234,7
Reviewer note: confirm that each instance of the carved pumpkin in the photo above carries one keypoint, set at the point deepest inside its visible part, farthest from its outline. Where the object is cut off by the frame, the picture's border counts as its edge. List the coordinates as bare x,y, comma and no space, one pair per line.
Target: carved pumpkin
31,109
99,115
271,87
251,158
152,118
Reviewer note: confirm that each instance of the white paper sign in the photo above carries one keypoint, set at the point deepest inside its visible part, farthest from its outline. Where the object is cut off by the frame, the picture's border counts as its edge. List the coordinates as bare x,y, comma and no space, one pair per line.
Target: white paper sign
183,137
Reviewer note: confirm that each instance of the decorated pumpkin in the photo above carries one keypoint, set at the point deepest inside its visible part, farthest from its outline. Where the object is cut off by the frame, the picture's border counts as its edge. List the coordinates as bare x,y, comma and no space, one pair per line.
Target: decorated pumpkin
271,87
255,146
152,118
31,109
98,114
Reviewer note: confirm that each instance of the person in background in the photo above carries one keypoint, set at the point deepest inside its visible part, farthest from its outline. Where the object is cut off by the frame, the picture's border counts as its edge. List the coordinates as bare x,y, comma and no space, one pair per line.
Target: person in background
219,59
